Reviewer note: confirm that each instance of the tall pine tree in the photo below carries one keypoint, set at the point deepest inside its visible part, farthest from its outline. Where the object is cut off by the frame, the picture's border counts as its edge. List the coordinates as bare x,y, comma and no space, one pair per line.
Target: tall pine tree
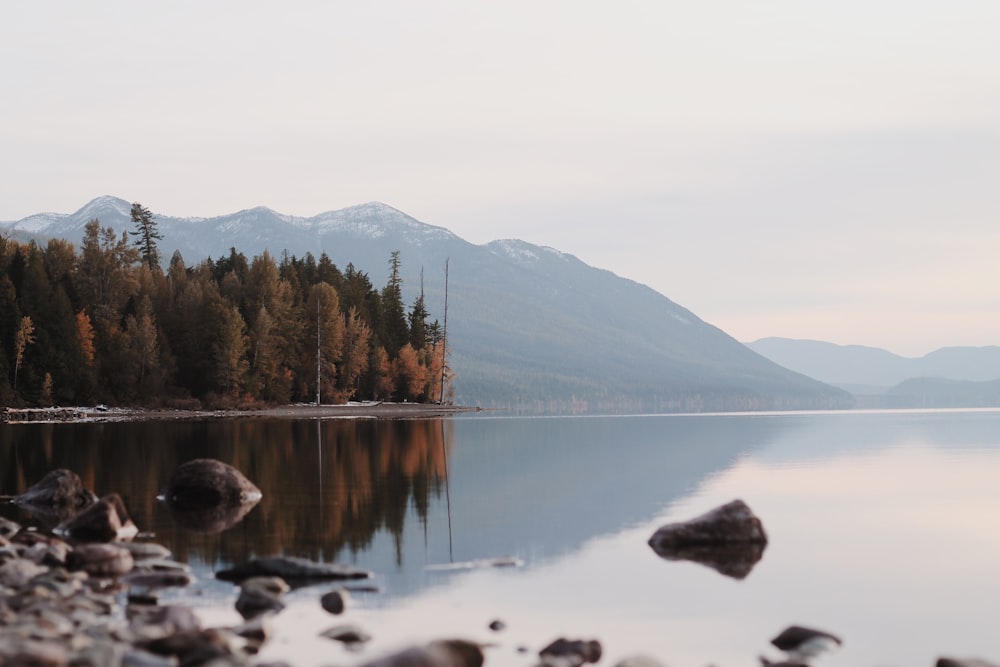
147,233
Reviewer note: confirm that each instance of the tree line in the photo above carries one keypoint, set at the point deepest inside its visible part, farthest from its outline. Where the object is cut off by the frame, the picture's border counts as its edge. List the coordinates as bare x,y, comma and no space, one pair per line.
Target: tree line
108,325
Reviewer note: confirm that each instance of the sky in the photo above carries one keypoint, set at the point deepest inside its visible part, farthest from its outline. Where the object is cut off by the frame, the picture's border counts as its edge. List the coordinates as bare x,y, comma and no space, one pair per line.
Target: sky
779,167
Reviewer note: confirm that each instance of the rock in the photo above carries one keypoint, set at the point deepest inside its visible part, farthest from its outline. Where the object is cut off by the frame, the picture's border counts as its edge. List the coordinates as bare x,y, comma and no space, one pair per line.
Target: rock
455,653
100,559
103,521
60,492
142,551
497,625
205,483
195,647
967,662
570,653
348,634
149,623
16,573
440,653
144,578
29,653
253,602
803,644
139,658
8,528
729,539
296,570
335,601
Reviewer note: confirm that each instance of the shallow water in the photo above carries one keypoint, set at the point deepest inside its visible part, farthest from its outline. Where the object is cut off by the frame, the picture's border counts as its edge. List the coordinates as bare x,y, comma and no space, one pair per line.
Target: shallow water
882,527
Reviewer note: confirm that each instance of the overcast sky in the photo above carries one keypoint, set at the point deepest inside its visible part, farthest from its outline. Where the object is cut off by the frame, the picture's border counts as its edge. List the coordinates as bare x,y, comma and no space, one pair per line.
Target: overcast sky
826,170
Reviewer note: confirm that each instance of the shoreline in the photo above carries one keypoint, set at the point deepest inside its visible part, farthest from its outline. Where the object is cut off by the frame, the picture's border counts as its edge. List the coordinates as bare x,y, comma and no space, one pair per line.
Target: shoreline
366,410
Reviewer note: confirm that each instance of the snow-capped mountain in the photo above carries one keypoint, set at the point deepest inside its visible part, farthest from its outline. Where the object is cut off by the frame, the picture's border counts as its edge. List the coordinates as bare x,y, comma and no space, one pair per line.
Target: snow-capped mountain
529,327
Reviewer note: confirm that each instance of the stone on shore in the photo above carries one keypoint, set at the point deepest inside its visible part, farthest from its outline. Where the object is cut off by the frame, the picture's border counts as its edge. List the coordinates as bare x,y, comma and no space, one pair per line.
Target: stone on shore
261,595
206,483
570,652
729,539
439,653
297,570
103,521
101,559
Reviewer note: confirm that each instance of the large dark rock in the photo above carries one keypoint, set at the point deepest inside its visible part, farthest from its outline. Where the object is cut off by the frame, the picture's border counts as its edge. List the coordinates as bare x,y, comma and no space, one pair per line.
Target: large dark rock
439,653
292,570
571,652
729,539
208,483
802,644
105,520
963,662
60,494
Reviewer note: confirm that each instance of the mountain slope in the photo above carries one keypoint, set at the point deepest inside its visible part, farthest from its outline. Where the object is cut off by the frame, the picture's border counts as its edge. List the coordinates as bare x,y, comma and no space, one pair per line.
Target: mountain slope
529,327
877,369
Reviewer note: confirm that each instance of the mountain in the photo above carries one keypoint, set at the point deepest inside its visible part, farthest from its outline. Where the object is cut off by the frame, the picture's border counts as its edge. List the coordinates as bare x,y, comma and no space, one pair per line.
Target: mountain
529,328
873,370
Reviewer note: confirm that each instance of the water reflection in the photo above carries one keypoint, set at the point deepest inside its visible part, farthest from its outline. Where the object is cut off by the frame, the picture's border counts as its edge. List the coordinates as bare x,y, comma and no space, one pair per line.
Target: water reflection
328,487
879,526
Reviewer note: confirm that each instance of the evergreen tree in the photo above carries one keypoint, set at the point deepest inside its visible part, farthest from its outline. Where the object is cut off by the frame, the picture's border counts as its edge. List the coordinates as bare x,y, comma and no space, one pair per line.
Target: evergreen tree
395,332
148,235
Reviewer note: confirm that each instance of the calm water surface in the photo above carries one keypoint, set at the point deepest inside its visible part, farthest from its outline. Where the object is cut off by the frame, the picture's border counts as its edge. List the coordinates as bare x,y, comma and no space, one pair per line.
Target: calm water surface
883,527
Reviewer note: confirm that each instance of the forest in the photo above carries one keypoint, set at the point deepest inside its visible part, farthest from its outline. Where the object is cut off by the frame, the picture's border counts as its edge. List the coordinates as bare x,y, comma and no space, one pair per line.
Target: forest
108,325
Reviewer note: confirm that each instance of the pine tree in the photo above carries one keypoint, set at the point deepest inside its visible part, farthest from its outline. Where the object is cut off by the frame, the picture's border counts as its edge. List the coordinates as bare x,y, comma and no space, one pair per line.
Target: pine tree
147,233
395,332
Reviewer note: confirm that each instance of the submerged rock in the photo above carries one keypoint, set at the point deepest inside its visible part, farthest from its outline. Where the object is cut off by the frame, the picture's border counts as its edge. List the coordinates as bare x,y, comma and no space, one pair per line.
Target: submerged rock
803,644
103,521
57,496
729,539
207,483
335,601
297,570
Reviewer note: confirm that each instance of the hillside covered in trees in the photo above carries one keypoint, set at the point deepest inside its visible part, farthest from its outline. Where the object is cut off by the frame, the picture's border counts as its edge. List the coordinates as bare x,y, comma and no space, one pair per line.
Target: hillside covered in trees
108,325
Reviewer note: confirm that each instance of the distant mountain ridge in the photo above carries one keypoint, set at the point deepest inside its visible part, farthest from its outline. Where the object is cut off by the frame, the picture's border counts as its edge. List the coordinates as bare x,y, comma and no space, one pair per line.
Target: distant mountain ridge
530,328
871,369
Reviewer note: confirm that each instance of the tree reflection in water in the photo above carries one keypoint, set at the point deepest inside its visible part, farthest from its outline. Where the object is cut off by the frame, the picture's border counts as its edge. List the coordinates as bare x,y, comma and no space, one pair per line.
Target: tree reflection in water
329,486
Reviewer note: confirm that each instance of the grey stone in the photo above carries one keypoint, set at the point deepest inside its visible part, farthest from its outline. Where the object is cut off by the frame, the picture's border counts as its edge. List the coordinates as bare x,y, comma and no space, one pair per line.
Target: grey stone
729,539
209,483
59,490
571,652
101,559
335,601
103,521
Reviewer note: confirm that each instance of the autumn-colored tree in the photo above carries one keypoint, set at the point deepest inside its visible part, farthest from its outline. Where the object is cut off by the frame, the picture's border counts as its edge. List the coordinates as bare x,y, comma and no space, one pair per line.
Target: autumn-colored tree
409,376
24,337
325,337
354,359
85,336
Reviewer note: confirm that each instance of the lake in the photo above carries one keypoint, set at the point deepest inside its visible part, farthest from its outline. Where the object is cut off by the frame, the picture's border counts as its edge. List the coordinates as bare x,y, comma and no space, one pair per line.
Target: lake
882,527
